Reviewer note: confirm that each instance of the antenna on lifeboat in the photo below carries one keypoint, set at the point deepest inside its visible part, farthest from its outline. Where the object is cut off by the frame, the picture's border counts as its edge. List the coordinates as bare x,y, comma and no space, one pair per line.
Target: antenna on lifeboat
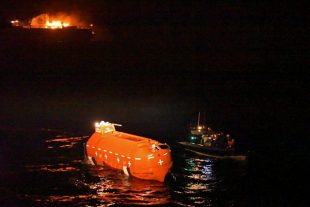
198,119
115,124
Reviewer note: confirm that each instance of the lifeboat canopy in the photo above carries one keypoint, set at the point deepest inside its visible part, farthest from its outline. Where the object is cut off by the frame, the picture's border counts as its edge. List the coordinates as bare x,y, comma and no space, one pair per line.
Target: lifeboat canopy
138,156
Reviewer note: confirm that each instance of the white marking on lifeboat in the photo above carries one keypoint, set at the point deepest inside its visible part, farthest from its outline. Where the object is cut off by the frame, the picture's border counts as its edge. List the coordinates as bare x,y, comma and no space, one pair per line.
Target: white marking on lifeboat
137,158
110,152
165,153
150,156
116,154
125,170
117,160
160,162
123,155
129,158
87,145
99,148
129,164
96,153
93,147
90,160
106,156
105,150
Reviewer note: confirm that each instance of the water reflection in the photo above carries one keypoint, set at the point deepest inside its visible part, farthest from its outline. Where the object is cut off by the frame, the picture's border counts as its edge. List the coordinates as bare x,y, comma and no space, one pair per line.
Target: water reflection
64,142
195,183
51,168
199,172
58,177
115,187
69,180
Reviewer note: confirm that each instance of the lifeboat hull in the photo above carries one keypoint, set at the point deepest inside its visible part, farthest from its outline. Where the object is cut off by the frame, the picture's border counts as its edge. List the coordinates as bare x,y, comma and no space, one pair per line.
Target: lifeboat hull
137,156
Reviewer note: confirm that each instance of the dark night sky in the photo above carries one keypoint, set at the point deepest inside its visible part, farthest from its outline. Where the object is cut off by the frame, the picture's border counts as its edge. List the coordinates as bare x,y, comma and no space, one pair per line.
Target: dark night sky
251,28
160,62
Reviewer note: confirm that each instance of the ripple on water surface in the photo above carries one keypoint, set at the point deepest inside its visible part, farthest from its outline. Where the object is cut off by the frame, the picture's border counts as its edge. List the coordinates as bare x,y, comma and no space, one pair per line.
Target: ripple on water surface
53,174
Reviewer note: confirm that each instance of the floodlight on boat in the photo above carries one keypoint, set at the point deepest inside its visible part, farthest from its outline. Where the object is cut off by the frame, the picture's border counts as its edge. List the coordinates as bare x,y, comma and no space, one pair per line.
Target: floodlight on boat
97,124
104,126
14,21
192,138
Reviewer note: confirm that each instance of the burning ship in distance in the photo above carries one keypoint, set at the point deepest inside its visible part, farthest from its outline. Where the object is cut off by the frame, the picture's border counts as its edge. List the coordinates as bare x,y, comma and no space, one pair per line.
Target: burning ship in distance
48,28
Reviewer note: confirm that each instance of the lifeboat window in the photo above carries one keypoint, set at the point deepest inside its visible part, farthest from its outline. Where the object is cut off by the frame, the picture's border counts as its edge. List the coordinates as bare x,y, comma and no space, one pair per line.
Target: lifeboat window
163,146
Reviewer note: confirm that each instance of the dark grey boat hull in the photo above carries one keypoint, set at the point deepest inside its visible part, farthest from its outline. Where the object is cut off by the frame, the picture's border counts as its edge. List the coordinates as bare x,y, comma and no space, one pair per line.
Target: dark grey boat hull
212,152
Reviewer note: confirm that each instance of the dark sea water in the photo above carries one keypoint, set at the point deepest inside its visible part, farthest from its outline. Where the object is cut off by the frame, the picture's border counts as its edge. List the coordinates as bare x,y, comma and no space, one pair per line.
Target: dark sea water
45,168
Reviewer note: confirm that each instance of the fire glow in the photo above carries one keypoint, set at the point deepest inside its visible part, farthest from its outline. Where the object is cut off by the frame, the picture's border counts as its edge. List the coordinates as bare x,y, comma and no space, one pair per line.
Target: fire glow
56,24
55,21
51,22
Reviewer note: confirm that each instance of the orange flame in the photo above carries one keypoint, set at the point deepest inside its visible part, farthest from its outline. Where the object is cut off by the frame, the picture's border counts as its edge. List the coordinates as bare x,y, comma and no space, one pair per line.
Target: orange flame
51,22
56,24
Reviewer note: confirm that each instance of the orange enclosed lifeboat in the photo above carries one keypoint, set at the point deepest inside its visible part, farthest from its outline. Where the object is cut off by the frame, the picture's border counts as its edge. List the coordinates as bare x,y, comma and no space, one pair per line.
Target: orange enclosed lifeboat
137,156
